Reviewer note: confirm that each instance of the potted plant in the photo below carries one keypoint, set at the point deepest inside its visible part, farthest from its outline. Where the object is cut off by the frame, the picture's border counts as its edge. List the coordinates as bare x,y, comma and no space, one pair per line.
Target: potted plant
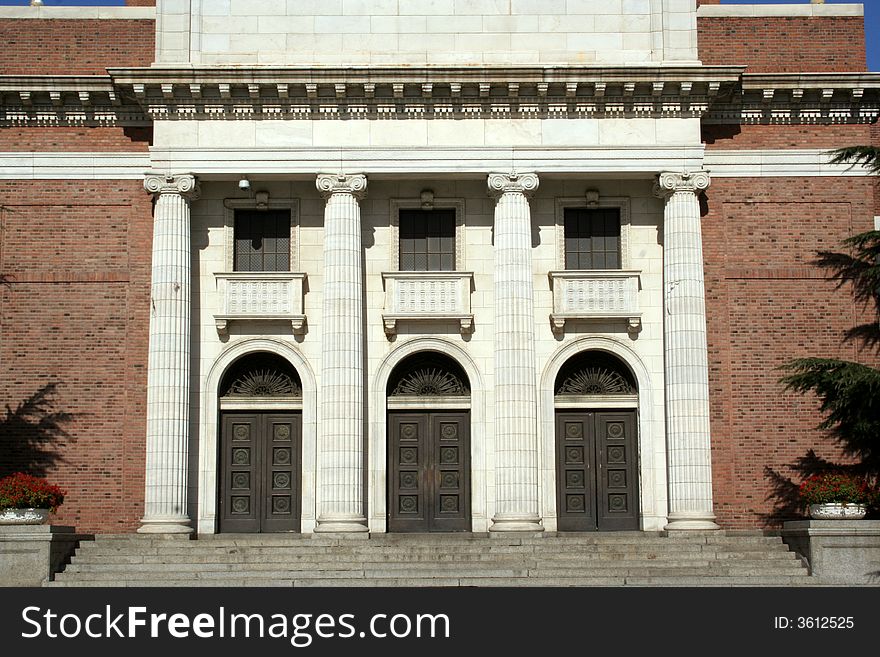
837,496
27,500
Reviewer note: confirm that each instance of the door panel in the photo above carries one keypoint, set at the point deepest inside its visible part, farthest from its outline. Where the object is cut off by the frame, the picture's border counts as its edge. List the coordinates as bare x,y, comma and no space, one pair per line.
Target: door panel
617,485
596,472
451,504
409,457
429,472
260,472
281,476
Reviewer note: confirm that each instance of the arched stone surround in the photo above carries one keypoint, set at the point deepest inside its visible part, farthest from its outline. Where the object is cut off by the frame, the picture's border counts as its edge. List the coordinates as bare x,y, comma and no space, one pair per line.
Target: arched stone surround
206,519
378,432
651,438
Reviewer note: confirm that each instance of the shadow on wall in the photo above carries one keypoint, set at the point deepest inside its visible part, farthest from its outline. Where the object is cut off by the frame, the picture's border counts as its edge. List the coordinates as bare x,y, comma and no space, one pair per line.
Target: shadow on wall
32,434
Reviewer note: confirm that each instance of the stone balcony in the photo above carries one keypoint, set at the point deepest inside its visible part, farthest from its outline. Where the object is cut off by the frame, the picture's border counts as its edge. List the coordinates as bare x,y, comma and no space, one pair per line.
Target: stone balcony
427,295
260,296
595,295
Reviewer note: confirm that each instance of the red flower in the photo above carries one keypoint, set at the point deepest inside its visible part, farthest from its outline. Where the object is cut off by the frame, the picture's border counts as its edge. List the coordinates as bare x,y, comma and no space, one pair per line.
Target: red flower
837,487
23,491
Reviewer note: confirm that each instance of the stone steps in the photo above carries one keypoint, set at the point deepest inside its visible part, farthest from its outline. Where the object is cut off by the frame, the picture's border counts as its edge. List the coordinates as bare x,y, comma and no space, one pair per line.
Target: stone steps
123,562
624,559
549,566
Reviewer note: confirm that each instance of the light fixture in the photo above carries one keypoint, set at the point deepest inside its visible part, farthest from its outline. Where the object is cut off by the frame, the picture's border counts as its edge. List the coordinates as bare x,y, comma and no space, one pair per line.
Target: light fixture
244,184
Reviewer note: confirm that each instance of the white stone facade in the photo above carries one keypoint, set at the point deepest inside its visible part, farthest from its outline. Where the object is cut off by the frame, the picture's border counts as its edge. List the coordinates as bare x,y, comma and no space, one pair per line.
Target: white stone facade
644,354
500,314
432,32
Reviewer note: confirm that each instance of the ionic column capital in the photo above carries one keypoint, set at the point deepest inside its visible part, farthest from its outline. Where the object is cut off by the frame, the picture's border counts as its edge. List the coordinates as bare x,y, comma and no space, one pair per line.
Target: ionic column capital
671,182
339,183
184,184
512,183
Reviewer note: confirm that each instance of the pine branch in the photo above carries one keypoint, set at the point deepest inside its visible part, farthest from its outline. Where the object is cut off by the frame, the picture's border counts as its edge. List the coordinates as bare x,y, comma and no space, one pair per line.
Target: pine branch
867,156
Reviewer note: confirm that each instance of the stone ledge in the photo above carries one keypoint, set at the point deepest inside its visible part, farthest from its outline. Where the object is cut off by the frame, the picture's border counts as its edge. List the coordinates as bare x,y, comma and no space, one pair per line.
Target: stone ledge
79,13
838,551
780,10
30,555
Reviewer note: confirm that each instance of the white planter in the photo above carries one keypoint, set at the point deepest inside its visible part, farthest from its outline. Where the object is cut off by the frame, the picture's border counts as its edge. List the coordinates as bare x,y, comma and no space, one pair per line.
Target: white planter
837,511
23,516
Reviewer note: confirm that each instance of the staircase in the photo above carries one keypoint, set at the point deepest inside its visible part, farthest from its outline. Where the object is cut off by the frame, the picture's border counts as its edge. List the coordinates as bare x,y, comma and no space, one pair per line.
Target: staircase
612,559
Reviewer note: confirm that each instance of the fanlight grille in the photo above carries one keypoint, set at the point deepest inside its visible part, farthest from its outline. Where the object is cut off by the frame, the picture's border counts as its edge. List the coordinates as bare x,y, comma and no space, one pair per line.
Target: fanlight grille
595,381
430,382
264,383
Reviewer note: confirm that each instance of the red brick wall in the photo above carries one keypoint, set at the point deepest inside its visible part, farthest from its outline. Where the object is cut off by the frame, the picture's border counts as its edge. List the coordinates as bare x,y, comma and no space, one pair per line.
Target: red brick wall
57,139
784,136
74,47
75,312
766,304
783,44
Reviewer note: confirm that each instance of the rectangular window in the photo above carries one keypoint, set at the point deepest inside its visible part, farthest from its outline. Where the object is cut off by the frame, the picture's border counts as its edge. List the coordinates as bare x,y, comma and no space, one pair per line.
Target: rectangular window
592,238
262,240
427,240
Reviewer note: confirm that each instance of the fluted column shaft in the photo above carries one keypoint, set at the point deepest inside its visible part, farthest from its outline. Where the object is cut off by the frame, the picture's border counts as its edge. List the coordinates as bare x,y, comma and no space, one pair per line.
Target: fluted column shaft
688,440
516,429
341,449
165,495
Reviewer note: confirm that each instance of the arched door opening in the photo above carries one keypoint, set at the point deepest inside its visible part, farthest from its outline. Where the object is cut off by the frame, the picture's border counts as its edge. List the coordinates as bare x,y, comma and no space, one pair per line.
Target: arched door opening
596,401
260,446
429,481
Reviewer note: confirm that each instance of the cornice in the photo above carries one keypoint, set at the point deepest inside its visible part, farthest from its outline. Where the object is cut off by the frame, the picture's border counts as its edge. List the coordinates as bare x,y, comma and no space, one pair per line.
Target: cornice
801,98
425,92
137,97
66,100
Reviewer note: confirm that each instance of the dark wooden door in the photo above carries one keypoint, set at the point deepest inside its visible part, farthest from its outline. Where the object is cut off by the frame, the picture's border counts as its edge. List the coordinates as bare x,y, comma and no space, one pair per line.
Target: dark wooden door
260,472
429,472
596,471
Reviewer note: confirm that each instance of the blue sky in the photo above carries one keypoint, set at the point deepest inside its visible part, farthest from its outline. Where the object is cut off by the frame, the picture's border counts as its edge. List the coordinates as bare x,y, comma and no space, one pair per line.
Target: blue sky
872,17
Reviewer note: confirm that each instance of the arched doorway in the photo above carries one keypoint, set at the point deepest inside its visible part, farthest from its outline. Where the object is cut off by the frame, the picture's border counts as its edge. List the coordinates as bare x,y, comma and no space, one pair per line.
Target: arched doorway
596,402
429,483
260,445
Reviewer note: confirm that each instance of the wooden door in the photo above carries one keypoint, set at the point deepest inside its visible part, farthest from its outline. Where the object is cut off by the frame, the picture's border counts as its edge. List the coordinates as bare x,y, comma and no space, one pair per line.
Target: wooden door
429,472
260,457
596,471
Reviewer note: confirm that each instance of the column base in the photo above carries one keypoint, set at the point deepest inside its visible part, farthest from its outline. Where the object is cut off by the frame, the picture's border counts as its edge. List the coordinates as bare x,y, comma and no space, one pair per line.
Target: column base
165,525
341,524
701,522
516,522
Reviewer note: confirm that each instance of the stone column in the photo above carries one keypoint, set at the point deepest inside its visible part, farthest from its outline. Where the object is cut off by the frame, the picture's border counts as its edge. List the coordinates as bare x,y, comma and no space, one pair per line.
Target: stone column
168,401
688,442
516,428
341,446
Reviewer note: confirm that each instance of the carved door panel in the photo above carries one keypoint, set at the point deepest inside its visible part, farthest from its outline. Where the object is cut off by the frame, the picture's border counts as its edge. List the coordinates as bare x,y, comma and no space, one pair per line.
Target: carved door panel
260,472
429,472
596,472
617,484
